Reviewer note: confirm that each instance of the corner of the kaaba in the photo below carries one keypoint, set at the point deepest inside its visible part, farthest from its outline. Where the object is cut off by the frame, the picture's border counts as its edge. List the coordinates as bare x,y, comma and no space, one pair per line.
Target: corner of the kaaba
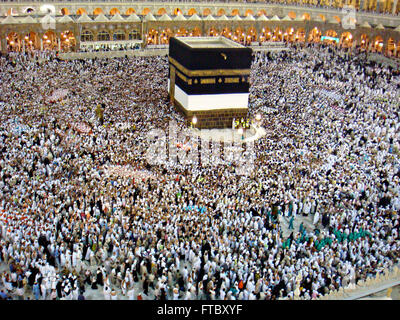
209,79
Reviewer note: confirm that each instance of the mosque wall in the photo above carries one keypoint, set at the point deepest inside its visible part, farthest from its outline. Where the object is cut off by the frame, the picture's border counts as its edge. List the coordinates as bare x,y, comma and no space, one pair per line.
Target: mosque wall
155,23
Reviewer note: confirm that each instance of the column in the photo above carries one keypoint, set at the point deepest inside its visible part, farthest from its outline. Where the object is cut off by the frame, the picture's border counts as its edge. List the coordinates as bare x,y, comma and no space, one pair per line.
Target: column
144,37
370,45
23,45
77,33
77,42
41,44
394,6
3,44
385,5
384,47
59,44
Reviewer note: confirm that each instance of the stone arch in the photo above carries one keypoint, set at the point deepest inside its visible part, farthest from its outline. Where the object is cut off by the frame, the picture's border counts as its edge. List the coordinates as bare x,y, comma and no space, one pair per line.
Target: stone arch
262,12
196,32
300,35
181,32
346,39
226,32
251,35
114,11
221,12
331,33
213,32
289,34
390,47
161,11
235,12
146,11
14,41
364,41
177,11
49,40
378,44
306,16
67,40
130,11
64,12
98,11
314,35
337,19
249,12
265,34
277,34
292,15
165,35
239,35
31,40
81,11
206,12
192,11
322,17
152,36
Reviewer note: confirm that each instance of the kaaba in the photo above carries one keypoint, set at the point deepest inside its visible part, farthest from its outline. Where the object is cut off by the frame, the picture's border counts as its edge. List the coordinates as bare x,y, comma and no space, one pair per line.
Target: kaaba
209,79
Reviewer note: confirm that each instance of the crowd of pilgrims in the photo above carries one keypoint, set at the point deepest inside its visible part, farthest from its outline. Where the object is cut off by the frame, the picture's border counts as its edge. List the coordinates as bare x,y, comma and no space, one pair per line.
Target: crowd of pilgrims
330,154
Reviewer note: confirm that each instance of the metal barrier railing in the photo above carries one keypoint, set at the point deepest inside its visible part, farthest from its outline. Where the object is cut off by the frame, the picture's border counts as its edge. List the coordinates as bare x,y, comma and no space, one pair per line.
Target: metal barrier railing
364,288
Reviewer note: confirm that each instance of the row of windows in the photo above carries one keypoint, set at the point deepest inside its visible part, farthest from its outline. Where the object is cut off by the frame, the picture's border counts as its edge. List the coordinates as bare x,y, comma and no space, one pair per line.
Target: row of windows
381,6
105,36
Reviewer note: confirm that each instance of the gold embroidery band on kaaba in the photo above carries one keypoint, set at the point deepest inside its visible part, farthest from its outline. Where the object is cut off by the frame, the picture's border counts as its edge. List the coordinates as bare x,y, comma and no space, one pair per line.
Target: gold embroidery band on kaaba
180,75
231,80
207,80
207,73
184,79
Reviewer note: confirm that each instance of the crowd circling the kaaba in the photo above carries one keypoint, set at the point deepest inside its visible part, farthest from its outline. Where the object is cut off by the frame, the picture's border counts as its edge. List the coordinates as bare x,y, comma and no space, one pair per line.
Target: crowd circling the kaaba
69,230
